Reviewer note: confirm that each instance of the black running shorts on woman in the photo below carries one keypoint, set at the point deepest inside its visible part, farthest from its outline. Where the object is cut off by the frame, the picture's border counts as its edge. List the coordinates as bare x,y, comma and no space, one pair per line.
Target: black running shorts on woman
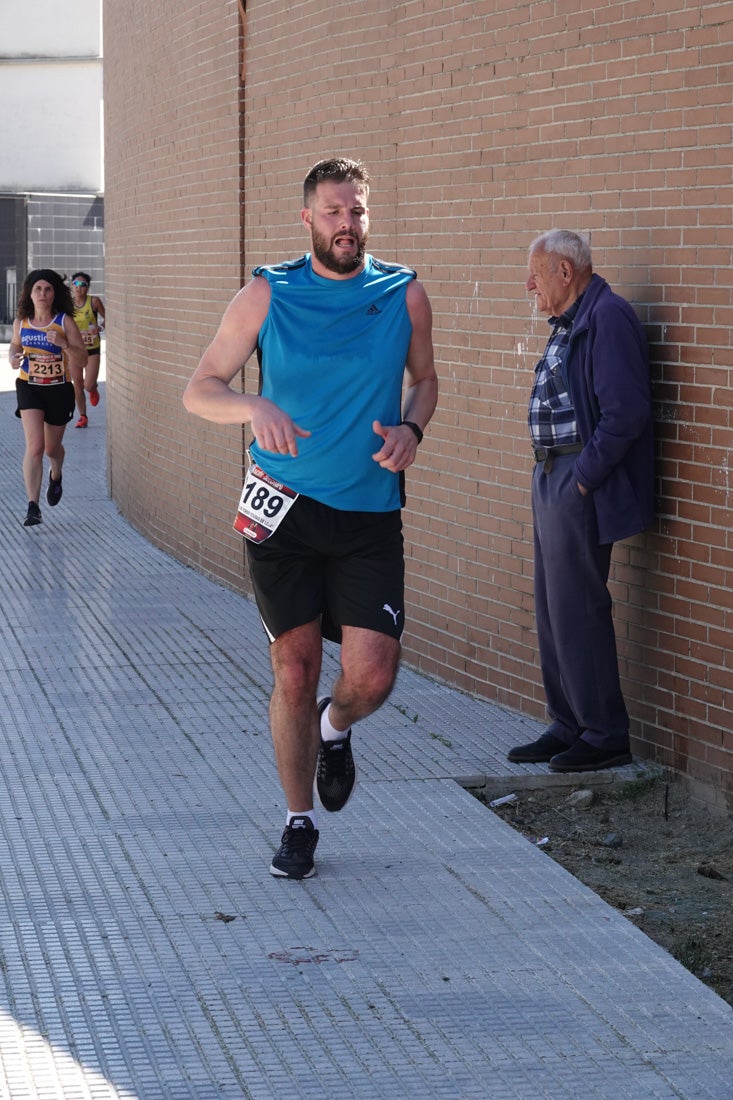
56,402
346,568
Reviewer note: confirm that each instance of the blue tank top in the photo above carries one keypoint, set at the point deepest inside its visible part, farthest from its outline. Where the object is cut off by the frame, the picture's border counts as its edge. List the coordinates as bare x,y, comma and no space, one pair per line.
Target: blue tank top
44,361
332,355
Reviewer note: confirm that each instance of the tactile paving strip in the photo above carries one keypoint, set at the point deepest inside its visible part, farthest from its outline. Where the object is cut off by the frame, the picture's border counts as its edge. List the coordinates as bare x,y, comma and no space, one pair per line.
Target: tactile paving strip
145,950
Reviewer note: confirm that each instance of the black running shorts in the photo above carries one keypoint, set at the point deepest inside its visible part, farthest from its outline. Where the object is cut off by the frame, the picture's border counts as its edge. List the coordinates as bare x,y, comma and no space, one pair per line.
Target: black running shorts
344,568
56,402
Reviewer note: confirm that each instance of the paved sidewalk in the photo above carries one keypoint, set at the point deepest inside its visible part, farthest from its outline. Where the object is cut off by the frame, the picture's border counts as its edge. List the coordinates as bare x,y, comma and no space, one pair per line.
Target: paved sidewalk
145,950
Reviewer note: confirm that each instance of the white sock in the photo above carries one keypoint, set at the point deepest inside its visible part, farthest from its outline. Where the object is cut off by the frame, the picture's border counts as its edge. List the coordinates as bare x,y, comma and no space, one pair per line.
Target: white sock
329,732
302,813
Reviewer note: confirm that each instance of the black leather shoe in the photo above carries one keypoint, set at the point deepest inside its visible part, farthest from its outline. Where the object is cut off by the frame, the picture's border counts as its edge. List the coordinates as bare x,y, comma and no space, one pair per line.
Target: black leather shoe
537,752
582,757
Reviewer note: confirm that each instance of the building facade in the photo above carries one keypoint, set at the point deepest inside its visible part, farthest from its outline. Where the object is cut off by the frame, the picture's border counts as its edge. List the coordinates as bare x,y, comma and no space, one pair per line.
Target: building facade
51,176
483,124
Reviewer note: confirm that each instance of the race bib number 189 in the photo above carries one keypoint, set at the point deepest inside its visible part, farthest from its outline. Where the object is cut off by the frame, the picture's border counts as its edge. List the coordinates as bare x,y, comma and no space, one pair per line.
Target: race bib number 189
263,505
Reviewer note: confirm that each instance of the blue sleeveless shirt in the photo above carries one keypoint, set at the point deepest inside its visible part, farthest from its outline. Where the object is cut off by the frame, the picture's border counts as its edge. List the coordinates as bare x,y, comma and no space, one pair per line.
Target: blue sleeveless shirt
332,355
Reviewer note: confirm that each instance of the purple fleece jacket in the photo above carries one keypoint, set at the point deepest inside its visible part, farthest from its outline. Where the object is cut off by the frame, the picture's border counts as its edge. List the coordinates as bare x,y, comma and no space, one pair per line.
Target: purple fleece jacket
607,373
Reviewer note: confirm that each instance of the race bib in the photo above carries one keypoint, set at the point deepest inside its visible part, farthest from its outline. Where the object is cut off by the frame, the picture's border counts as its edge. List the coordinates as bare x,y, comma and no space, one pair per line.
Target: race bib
263,505
45,370
89,336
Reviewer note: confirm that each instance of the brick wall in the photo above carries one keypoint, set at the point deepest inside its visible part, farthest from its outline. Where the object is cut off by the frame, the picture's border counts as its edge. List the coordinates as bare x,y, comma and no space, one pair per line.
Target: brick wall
174,258
483,124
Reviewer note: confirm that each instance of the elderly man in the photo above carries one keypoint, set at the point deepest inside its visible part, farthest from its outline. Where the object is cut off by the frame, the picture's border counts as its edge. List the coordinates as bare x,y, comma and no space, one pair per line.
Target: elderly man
593,484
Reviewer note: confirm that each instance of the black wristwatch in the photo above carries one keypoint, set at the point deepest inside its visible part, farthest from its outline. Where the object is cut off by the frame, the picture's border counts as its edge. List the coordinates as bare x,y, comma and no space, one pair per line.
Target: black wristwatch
415,429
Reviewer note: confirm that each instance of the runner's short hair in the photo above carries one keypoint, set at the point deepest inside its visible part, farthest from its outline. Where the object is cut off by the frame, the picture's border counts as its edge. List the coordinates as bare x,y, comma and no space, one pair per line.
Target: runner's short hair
338,169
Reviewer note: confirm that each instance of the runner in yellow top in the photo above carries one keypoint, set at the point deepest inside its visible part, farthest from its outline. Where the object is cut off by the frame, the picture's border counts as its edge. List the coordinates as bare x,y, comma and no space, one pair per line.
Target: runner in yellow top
47,349
87,311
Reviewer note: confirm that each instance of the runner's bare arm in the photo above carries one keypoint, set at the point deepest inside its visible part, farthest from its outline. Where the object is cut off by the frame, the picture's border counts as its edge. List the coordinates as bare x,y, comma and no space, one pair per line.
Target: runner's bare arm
98,307
75,350
15,352
209,393
422,385
400,442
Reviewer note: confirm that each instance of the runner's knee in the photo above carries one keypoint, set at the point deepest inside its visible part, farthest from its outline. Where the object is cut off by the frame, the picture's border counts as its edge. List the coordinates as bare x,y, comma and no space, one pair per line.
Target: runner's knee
296,671
370,684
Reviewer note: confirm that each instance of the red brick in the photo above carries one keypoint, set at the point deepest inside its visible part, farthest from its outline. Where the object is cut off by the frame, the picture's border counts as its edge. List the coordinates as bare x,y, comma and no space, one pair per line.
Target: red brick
481,130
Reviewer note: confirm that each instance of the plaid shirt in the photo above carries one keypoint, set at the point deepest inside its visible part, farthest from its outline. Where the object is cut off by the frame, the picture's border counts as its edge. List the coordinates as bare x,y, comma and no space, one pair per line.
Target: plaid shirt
551,416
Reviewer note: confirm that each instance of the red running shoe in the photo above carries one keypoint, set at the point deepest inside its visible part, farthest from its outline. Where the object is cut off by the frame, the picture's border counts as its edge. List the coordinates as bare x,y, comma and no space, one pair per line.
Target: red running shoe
94,397
82,422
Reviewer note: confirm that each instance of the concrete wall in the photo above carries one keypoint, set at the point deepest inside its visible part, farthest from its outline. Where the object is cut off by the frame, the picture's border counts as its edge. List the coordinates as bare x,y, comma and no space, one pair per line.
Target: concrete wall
50,64
51,168
483,124
43,28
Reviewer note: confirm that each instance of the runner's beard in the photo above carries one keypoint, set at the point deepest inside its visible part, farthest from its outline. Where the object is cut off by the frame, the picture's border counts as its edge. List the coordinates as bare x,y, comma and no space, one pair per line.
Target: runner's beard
339,265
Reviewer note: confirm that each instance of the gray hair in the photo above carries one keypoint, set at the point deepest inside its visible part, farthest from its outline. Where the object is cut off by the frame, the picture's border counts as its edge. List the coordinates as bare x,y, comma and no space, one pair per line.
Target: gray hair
565,245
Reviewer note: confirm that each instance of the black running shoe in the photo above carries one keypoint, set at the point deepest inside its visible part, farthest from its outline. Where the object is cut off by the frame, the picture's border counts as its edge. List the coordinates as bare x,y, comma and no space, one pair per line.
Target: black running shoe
33,516
336,770
294,857
54,491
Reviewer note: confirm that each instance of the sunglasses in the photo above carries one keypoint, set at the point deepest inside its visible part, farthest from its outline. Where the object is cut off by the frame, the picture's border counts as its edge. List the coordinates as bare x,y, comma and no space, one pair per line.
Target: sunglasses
78,282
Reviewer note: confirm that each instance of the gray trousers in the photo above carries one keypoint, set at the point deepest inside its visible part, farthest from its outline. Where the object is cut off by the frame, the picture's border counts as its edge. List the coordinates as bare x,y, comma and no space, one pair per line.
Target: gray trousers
573,609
